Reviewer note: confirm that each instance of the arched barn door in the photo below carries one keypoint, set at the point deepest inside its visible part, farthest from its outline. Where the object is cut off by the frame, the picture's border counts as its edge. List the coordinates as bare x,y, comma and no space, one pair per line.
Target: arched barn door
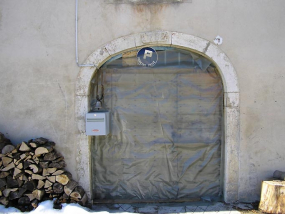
166,133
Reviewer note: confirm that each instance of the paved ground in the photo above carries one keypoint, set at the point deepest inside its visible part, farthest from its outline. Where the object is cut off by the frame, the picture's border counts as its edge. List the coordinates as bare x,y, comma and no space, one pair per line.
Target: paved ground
198,207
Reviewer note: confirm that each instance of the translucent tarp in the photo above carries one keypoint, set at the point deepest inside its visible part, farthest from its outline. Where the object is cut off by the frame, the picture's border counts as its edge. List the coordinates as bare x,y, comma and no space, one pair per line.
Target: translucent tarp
166,129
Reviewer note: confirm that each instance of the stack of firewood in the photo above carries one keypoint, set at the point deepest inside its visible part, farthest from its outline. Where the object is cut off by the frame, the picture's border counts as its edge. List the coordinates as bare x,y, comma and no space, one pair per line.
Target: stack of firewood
33,171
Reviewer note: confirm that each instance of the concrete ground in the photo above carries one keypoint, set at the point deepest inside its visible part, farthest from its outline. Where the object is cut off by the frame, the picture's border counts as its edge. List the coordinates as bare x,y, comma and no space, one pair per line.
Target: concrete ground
162,208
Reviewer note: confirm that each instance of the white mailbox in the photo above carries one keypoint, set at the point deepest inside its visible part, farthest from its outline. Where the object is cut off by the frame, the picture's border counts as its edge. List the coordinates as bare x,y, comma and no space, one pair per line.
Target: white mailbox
97,123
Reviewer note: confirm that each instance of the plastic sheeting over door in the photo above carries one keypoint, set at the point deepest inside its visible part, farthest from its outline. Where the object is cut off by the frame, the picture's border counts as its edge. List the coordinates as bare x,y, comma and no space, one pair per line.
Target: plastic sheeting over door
166,130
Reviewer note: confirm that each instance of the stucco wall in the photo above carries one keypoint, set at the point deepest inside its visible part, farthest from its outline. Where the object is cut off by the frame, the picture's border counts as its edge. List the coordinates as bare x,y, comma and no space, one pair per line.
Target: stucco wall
38,70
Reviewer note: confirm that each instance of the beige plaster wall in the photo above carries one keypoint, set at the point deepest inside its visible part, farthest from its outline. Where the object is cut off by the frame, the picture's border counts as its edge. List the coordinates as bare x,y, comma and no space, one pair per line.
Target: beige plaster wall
38,70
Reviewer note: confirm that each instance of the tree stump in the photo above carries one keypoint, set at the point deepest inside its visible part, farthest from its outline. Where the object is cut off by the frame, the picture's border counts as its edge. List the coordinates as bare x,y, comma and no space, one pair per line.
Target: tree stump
272,197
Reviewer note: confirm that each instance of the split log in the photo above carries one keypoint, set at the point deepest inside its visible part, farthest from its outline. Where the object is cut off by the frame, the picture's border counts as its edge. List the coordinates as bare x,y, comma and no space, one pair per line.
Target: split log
57,188
24,147
20,182
35,168
17,194
44,164
40,184
12,183
45,172
6,192
40,140
51,170
47,184
7,149
35,203
51,179
37,177
272,197
4,174
20,166
28,172
43,150
6,161
30,185
17,172
30,196
58,172
36,159
62,179
38,194
2,183
58,165
57,204
24,200
33,145
4,201
51,156
10,166
70,187
77,193
83,200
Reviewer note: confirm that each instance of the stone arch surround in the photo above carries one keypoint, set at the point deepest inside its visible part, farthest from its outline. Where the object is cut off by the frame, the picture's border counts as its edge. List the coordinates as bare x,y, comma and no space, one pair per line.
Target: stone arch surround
173,39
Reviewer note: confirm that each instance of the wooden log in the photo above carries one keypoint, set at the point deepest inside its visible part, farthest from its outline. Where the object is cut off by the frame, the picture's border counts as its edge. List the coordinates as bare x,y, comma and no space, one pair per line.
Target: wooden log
6,161
4,201
62,179
30,196
36,159
45,172
12,183
58,188
44,164
35,203
70,187
20,166
24,200
58,172
35,168
48,184
51,178
7,149
2,183
17,194
6,192
20,182
77,193
38,194
83,201
30,185
10,166
28,172
24,147
51,156
57,204
26,164
40,184
4,174
37,177
40,140
43,150
272,197
33,145
58,165
16,173
51,170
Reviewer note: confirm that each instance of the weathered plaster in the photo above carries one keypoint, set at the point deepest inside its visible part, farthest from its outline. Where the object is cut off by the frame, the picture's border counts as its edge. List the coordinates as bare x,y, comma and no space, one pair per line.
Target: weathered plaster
165,38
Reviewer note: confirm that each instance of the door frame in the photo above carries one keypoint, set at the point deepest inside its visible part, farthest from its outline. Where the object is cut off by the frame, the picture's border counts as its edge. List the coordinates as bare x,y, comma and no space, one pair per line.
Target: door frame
170,39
